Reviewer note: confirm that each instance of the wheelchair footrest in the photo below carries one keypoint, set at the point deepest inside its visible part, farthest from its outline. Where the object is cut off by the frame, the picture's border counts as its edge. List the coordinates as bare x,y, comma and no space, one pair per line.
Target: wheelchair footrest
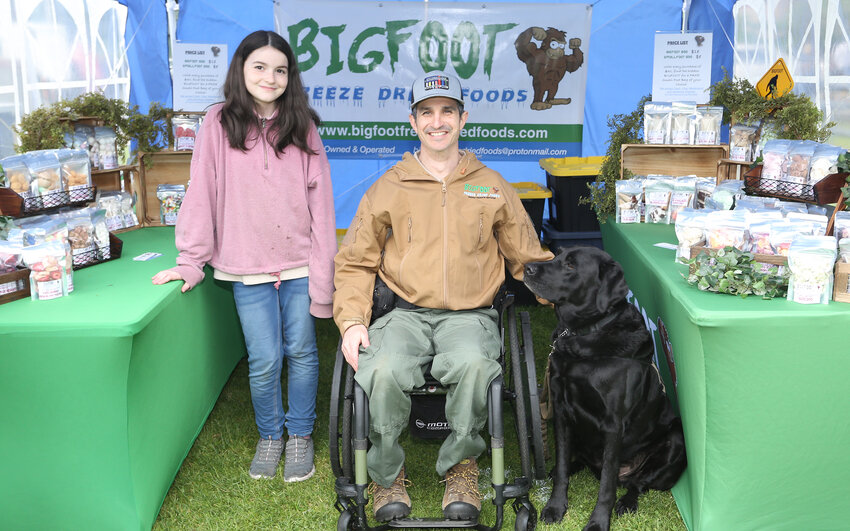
346,488
430,523
517,489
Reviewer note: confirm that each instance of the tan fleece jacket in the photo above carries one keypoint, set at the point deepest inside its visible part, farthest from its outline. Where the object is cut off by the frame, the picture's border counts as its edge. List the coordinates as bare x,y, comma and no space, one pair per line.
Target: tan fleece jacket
436,244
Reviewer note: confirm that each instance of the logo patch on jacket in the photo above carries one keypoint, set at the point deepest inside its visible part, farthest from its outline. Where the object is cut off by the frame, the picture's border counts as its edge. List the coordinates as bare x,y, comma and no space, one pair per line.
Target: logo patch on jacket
477,191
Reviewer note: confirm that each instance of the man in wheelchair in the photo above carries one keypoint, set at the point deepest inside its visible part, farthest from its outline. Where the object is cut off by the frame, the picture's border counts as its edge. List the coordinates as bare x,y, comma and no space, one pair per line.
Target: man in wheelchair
437,228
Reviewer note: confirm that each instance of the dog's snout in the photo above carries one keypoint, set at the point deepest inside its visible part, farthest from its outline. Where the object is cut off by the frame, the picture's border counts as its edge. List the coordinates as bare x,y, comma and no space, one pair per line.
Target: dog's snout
530,269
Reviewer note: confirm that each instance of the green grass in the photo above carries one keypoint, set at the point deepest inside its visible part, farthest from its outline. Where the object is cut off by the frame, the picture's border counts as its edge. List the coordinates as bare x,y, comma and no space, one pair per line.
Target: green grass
212,490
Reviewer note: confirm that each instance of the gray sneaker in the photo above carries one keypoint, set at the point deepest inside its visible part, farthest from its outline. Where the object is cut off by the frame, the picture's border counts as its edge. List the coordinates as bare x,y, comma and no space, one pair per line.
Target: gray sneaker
266,458
299,459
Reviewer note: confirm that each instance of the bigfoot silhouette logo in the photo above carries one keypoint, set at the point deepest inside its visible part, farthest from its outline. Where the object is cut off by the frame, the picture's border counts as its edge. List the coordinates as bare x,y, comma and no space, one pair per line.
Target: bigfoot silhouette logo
775,82
547,63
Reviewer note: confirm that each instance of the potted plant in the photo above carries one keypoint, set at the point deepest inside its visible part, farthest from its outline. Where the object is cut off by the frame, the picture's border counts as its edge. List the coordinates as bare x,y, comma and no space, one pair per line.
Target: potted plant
45,127
792,116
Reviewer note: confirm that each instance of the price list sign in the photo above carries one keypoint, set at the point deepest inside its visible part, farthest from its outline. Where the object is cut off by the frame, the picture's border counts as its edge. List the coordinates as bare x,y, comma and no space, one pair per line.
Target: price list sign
681,69
198,75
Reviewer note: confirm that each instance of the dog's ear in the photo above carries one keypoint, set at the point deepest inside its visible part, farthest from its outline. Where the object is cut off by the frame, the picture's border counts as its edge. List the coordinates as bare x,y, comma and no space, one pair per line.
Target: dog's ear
612,285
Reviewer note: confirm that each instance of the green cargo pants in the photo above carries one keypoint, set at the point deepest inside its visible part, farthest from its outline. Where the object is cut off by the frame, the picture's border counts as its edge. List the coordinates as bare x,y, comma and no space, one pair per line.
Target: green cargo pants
464,346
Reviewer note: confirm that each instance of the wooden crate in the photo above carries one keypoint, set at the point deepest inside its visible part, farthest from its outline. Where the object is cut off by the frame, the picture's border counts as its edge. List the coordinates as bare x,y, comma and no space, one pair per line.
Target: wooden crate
841,282
667,159
161,167
18,281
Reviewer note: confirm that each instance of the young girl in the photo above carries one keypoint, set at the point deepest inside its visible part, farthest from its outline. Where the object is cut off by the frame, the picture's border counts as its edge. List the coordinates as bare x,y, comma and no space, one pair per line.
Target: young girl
259,210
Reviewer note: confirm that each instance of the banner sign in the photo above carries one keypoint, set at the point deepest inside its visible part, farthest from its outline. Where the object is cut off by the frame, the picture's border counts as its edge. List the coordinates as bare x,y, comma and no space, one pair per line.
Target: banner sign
681,68
199,72
522,67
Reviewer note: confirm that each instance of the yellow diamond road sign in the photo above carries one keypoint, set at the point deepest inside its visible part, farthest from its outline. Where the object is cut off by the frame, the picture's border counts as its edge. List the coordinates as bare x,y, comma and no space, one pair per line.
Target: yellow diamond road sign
776,82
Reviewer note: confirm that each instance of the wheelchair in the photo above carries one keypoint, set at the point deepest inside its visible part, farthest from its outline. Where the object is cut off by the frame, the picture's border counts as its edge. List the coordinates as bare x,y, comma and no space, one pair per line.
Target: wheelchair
516,385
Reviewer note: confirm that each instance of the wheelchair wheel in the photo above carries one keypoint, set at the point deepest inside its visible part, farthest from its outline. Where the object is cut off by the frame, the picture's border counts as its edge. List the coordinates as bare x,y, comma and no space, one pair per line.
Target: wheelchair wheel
526,517
536,422
515,383
339,436
344,521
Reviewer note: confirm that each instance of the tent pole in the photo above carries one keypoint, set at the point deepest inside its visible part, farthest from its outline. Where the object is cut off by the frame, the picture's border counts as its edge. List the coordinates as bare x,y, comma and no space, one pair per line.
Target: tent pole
686,11
171,9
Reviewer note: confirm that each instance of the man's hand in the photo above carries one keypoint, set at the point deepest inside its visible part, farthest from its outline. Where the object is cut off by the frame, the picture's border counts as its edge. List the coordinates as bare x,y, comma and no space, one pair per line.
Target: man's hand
352,339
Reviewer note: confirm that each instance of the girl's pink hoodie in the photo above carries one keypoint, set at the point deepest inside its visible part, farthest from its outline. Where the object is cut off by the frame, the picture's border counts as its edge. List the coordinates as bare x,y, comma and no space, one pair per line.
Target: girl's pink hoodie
252,212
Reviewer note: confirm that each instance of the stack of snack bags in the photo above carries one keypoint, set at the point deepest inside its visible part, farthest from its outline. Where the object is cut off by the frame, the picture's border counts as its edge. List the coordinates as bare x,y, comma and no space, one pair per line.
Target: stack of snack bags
660,198
798,161
38,174
118,207
52,246
681,122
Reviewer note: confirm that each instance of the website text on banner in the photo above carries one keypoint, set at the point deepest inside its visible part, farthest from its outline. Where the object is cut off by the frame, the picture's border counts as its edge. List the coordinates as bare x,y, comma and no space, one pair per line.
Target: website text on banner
524,80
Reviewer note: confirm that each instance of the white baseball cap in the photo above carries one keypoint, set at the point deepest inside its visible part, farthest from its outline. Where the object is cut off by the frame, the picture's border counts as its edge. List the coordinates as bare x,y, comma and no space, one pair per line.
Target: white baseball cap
433,84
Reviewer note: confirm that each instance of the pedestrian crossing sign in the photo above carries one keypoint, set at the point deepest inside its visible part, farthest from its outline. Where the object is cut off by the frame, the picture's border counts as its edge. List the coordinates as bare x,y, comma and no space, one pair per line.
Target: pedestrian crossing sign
776,82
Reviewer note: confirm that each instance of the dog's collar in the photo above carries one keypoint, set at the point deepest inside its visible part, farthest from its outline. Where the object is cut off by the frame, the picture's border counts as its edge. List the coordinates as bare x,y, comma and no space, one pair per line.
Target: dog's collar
569,332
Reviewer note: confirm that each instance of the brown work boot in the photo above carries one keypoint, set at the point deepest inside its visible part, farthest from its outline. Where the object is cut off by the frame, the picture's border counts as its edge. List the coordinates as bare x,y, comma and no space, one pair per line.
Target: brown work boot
392,502
462,500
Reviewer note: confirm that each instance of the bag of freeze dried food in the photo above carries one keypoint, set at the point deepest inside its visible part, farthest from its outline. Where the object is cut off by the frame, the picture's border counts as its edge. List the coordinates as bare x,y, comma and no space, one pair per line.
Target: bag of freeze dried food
111,203
811,260
683,122
690,231
81,239
108,153
842,224
656,122
49,270
824,162
170,198
704,188
185,129
741,140
18,176
775,159
629,199
708,125
657,199
684,189
799,158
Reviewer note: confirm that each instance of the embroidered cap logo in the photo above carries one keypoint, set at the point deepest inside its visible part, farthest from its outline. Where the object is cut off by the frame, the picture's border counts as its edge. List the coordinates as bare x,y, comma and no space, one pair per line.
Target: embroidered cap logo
436,82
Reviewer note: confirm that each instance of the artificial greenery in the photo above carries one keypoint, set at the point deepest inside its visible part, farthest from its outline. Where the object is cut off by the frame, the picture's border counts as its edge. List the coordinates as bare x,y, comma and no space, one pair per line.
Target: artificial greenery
844,167
734,272
45,127
6,223
792,116
625,129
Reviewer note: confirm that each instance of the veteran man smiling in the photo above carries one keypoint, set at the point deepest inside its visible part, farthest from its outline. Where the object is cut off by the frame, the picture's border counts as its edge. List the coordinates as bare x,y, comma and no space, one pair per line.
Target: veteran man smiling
438,228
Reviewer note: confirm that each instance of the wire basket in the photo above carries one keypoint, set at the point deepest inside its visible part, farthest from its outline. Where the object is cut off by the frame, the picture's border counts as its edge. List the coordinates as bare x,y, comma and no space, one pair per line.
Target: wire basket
12,204
827,190
98,255
780,189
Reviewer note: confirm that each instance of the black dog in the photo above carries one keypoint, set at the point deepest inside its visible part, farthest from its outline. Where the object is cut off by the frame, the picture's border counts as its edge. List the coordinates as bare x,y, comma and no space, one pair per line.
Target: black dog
610,410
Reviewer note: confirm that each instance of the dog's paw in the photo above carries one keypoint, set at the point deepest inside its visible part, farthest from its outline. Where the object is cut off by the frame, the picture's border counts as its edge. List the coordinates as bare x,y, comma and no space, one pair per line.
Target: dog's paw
625,505
553,512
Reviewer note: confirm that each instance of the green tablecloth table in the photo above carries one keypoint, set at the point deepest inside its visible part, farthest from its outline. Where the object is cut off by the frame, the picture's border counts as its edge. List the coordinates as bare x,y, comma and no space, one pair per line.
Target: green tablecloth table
103,392
762,389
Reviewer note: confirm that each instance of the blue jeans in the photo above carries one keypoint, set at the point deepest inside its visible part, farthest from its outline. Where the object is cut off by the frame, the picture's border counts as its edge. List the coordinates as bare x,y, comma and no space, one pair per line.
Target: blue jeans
277,325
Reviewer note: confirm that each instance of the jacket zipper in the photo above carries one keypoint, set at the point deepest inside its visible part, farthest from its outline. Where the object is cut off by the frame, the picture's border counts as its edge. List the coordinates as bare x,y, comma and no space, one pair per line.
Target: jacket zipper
445,249
265,151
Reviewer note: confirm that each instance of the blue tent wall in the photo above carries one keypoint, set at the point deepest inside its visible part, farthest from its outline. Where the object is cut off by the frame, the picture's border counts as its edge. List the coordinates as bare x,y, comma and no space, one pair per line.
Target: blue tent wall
619,62
146,40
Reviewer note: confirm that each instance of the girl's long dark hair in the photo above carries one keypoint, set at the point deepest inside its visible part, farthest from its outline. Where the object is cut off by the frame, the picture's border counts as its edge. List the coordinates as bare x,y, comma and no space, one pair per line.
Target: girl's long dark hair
291,124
